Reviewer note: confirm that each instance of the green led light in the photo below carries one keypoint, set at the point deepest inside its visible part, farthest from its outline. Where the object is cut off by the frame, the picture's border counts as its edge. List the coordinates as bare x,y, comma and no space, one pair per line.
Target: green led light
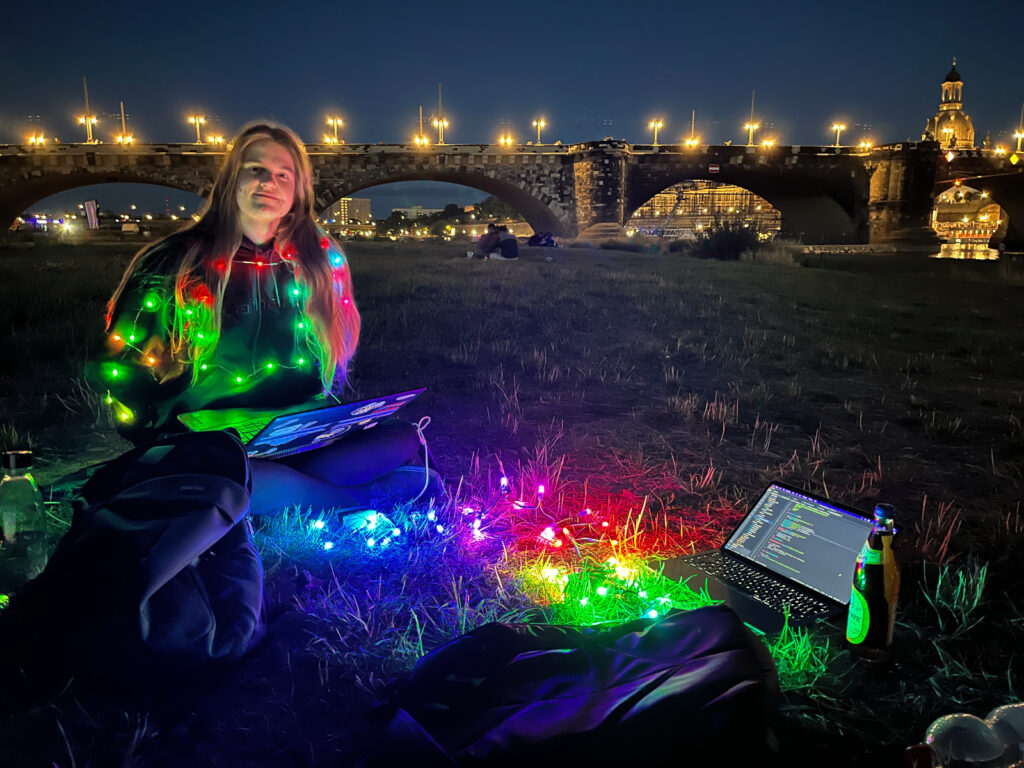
295,291
238,379
199,336
188,311
110,400
270,366
302,361
302,325
602,591
132,337
114,372
202,367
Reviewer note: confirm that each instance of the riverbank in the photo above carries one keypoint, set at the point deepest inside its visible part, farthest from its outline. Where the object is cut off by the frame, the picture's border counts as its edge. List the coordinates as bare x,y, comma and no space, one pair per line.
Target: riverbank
666,383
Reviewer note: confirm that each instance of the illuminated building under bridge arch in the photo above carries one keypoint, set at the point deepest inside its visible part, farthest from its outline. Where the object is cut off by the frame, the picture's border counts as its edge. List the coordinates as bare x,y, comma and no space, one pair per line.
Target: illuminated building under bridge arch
686,209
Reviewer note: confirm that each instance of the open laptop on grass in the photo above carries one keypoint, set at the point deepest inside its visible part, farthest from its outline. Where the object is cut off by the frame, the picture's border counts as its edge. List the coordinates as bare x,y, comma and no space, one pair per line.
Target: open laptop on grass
283,432
793,550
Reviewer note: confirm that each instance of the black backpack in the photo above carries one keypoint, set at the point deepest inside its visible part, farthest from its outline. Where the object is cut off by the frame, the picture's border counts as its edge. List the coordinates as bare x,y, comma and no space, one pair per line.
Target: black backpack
157,579
692,688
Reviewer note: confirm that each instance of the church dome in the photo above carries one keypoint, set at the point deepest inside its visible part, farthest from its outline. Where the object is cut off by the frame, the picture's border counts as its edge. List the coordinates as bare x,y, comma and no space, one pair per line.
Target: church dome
953,76
953,125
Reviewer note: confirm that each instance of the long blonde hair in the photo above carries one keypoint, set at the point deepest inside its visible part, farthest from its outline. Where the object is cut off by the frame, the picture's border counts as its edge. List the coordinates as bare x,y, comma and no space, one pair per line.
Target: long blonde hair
208,245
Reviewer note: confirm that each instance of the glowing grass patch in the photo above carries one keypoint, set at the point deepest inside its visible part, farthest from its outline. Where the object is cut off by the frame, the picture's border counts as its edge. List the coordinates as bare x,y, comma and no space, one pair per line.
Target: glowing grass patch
800,657
414,578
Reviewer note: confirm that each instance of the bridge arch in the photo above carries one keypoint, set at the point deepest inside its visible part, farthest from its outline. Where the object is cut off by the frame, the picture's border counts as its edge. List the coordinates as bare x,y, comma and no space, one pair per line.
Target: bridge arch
15,199
538,214
817,210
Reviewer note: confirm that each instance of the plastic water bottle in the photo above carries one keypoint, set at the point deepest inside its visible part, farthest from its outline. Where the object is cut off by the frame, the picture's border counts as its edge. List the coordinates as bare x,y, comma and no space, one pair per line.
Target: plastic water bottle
23,548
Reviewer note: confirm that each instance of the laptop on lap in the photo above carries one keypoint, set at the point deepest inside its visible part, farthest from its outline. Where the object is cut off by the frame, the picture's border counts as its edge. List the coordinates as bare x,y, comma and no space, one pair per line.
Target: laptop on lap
273,434
792,551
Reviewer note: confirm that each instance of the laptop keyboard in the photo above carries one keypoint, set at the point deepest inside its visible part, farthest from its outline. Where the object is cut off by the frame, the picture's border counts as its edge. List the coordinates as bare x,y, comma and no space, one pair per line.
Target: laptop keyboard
247,430
763,587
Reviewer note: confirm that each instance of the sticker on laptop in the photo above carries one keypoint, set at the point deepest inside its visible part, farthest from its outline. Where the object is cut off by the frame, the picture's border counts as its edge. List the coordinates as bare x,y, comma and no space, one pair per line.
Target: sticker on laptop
366,408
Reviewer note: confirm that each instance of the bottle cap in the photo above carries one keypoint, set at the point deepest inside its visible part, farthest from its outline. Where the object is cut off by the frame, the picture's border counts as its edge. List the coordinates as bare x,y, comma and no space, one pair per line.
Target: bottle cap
17,460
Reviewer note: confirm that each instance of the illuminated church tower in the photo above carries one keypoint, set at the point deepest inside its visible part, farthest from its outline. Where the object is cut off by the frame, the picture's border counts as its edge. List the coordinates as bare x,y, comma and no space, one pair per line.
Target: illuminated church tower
951,126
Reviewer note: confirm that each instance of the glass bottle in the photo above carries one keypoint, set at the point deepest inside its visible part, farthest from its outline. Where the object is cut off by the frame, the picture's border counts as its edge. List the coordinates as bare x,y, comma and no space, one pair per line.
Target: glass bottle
876,585
23,547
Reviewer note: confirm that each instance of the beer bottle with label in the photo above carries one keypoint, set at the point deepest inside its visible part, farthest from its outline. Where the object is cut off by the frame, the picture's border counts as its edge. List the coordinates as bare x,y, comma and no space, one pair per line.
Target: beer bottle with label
876,585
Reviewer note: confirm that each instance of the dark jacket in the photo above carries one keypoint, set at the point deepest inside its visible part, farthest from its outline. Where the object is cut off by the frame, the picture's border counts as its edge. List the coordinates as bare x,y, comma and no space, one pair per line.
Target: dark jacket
261,360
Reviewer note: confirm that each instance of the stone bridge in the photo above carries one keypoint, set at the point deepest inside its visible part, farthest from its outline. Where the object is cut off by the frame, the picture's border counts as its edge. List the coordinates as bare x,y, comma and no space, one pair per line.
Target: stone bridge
825,194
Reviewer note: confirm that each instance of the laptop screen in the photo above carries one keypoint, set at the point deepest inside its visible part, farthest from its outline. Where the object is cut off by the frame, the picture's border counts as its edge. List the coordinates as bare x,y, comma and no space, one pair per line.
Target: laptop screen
803,539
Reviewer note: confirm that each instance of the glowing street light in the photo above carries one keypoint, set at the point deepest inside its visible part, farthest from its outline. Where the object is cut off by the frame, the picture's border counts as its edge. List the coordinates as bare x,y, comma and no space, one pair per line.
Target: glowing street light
693,141
124,138
36,140
506,140
440,123
215,140
421,140
1018,135
88,121
838,128
539,123
751,127
654,125
767,143
865,144
197,120
335,123
1000,151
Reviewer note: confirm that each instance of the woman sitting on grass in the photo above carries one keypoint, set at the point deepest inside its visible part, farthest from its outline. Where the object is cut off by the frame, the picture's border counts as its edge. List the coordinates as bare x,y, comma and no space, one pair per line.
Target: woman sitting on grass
251,307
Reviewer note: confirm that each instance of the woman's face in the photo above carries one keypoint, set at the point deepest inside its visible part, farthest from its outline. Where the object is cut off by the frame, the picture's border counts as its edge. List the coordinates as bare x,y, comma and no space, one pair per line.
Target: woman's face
266,183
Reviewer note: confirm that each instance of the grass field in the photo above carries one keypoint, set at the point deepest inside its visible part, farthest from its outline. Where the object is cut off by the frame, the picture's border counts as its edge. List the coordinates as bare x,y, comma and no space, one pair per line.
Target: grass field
669,391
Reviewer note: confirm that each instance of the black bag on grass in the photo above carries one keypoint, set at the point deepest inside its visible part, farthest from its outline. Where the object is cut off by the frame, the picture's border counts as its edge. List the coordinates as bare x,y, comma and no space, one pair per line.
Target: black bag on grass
157,579
694,688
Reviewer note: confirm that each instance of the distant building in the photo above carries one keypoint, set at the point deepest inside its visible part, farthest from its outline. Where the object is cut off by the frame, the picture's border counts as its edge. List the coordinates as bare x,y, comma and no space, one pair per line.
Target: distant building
951,126
348,210
415,211
690,207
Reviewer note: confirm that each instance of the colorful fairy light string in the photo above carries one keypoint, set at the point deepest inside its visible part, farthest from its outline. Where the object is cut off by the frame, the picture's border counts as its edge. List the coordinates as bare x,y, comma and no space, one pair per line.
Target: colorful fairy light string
605,572
196,327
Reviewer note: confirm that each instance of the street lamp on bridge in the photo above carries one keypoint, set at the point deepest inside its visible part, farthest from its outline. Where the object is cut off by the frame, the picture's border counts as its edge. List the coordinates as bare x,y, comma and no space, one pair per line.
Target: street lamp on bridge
838,128
440,123
865,145
88,121
751,127
37,140
197,121
654,125
539,123
767,143
506,140
1018,135
335,123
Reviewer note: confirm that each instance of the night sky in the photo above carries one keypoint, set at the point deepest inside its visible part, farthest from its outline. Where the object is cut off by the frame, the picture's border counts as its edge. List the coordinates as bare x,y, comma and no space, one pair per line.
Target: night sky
592,69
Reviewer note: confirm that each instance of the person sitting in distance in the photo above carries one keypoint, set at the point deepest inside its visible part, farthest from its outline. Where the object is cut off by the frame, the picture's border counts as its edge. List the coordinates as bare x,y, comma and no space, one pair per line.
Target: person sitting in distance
508,246
487,243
